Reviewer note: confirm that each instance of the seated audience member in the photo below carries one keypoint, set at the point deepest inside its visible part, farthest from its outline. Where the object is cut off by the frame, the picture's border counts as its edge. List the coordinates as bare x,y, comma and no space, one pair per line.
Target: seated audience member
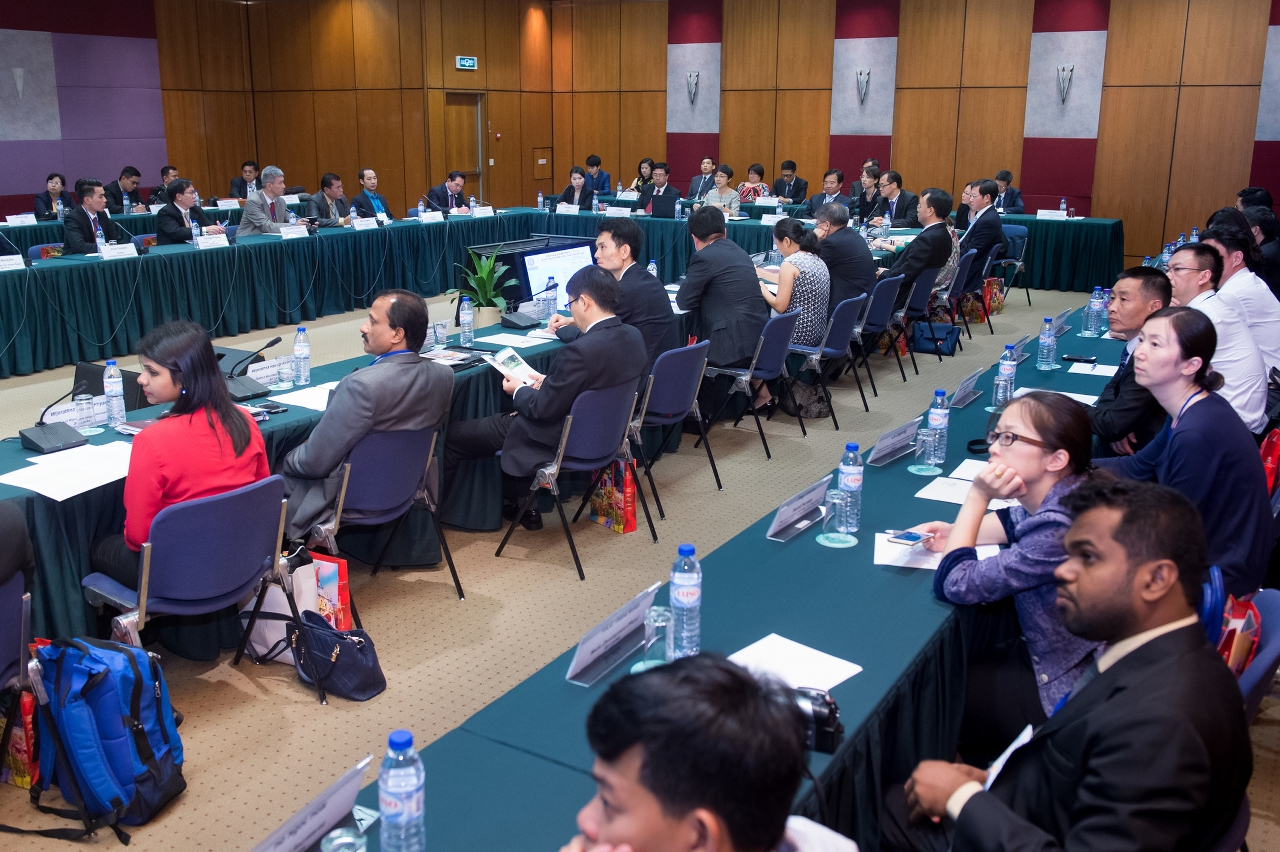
704,182
126,186
1253,196
832,181
698,755
643,302
722,286
46,205
1040,452
660,188
722,195
929,250
788,187
247,182
597,180
1126,416
866,204
173,221
846,254
204,445
1009,198
265,211
398,392
1246,293
897,205
803,283
644,174
1150,750
1262,224
329,207
447,197
1205,451
82,225
870,162
1195,271
16,555
160,194
754,187
369,203
984,232
1231,217
577,192
606,354
964,210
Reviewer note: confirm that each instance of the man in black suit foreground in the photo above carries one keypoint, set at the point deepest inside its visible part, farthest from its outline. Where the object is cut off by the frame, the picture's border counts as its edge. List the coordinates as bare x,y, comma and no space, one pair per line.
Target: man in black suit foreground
929,250
832,181
1126,416
606,354
125,186
1150,750
846,254
794,190
173,221
81,225
984,231
900,207
447,197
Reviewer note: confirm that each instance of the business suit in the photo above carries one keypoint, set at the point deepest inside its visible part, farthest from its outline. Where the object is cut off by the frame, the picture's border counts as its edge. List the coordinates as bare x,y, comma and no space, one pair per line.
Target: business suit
1125,407
849,261
646,308
819,199
327,215
1010,201
400,393
962,217
78,232
794,193
240,189
983,234
701,185
115,198
584,197
441,199
46,208
172,228
159,195
364,205
903,211
1269,269
600,183
257,219
929,250
722,285
647,194
866,208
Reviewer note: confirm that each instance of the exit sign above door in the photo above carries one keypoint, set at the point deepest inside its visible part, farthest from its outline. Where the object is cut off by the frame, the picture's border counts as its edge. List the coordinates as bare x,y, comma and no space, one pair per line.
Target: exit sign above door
466,63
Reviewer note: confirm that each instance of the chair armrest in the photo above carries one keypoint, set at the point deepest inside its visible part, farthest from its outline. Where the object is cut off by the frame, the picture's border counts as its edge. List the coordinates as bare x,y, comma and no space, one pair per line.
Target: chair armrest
100,589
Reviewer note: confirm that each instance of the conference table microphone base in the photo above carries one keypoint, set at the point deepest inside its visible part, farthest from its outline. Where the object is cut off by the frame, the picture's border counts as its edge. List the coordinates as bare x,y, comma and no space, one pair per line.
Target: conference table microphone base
51,437
243,388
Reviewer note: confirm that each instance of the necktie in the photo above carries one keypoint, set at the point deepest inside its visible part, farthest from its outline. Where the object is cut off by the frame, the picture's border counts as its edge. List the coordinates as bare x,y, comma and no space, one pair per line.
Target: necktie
1124,359
1088,675
273,210
892,205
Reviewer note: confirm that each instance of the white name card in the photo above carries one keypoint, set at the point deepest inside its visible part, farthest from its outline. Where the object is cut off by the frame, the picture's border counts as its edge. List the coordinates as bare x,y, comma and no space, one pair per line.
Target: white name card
116,252
383,218
291,199
228,203
893,443
1051,214
268,372
156,208
431,216
767,201
11,261
611,641
628,195
486,210
567,209
208,241
772,219
293,232
21,219
65,412
364,224
612,212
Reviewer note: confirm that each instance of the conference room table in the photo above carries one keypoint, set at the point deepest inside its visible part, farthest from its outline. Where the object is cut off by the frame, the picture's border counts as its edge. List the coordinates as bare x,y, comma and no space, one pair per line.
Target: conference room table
1071,254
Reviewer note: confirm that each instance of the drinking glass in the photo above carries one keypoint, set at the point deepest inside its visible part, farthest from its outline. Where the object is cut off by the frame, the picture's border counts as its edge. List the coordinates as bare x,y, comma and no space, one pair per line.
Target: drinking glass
441,330
925,439
84,415
343,840
658,639
836,516
284,373
1071,212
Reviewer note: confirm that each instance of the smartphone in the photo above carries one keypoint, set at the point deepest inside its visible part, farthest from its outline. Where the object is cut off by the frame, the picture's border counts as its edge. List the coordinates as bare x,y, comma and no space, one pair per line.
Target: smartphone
910,538
1081,359
272,407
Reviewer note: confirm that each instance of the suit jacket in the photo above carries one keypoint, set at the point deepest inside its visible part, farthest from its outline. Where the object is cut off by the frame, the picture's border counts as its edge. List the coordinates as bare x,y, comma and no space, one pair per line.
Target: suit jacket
239,189
364,205
722,285
115,198
1126,407
444,201
848,259
78,233
1152,754
962,217
794,194
171,229
159,195
401,393
600,183
584,198
646,194
256,216
816,200
608,355
906,210
646,308
1012,201
930,250
1269,270
318,210
862,207
46,207
983,234
701,185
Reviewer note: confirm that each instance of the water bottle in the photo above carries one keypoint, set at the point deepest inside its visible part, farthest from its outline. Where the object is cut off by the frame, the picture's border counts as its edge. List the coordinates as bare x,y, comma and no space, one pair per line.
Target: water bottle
466,322
301,357
595,205
124,198
198,204
58,206
1006,377
113,386
653,267
352,216
1093,314
679,210
471,205
547,301
401,780
422,209
195,231
293,218
1165,254
101,241
1062,205
1182,240
939,414
686,604
619,187
850,482
1146,260
1047,357
1105,322
541,203
1195,235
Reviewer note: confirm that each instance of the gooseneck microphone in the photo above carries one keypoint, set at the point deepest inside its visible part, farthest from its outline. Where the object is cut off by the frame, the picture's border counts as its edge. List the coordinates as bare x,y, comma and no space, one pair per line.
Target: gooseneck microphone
80,386
231,374
429,200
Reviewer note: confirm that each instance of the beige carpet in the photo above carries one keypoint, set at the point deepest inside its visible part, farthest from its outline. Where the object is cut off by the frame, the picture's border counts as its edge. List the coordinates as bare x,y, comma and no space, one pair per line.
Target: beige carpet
258,744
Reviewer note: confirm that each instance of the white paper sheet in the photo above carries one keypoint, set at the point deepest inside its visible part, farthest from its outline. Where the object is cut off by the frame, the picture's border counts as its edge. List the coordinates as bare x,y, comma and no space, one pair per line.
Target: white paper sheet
905,556
1078,397
315,397
515,341
967,470
947,490
794,664
542,334
1105,371
83,469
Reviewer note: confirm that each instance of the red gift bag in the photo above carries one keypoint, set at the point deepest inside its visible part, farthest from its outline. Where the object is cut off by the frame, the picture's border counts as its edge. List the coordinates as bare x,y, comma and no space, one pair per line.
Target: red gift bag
333,596
613,506
1241,624
17,765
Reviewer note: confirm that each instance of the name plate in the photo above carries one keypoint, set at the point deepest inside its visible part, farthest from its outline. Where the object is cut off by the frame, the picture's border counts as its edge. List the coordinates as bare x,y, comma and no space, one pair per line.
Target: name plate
383,218
1060,323
628,195
21,219
768,201
268,372
364,224
772,219
65,412
228,203
293,232
895,443
290,199
207,241
1018,354
431,216
612,212
568,209
110,252
156,208
965,393
611,641
1051,214
798,513
11,261
486,210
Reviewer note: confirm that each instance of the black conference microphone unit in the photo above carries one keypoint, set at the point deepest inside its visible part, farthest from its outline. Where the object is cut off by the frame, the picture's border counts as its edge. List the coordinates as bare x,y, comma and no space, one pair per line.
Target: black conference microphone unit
51,437
243,388
429,200
523,321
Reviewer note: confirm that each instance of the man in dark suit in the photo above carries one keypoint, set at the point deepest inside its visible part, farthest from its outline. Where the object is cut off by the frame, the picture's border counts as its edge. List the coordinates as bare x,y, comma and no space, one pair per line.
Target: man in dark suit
846,254
929,250
794,189
1009,198
160,194
897,205
660,188
1150,750
125,187
329,208
606,354
832,181
597,179
247,183
722,285
706,181
1126,416
369,203
984,232
173,221
447,197
81,225
1262,222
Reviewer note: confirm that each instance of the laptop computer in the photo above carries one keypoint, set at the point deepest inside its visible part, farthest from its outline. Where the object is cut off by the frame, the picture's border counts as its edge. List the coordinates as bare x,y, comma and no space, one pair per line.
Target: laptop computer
664,206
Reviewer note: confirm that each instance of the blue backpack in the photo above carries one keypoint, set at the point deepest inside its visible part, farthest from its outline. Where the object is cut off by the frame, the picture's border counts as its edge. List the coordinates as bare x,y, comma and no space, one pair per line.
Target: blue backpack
107,736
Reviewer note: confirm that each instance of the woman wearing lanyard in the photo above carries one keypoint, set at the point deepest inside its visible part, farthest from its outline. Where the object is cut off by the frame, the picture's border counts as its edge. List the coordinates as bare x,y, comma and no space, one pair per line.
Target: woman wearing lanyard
1205,450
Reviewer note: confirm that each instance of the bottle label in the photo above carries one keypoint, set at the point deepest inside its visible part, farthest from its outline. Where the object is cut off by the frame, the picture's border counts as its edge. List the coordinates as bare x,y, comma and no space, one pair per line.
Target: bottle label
400,808
850,478
938,418
684,597
1007,369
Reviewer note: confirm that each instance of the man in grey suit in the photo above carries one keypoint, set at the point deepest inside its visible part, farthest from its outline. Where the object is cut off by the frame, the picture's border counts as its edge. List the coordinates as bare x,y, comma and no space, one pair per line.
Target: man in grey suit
399,391
329,208
265,211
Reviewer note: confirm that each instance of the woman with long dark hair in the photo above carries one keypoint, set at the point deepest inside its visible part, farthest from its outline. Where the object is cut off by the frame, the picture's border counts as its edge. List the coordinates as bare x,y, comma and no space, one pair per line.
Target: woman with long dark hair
202,446
577,192
644,174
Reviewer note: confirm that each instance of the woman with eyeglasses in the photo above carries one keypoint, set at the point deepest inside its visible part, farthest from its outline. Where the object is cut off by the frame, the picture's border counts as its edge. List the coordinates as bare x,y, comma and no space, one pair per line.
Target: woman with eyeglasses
1040,450
1205,450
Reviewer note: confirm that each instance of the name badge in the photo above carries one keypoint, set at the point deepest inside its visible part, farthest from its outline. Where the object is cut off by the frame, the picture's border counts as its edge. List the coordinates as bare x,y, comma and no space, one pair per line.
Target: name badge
772,218
431,216
228,203
110,252
481,212
1051,214
364,224
21,219
291,199
382,217
207,241
156,208
11,261
293,232
612,212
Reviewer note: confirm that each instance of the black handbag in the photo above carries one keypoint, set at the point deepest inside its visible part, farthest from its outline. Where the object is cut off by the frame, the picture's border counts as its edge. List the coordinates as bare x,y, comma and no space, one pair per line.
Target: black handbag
343,662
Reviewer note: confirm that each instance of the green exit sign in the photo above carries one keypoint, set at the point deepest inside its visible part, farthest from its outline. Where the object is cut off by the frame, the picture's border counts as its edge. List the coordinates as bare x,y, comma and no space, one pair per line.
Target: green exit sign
466,63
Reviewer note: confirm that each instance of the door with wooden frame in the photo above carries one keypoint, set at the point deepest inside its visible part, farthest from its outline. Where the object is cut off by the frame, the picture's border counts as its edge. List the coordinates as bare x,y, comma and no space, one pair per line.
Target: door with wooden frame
463,135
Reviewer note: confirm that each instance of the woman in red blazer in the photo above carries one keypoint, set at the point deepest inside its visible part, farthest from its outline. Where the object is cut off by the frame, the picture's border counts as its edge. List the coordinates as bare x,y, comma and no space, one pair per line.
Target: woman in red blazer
204,444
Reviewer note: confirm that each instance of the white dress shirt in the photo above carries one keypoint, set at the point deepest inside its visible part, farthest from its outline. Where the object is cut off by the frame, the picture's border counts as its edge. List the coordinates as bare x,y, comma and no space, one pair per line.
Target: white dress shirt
1238,359
1253,300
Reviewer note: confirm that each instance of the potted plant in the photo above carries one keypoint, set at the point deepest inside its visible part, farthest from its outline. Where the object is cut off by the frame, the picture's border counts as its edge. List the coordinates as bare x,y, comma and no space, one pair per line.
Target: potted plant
482,288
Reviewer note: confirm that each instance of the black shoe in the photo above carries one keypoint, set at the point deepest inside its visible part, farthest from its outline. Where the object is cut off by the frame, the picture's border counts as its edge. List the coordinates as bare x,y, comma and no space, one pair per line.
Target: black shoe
531,520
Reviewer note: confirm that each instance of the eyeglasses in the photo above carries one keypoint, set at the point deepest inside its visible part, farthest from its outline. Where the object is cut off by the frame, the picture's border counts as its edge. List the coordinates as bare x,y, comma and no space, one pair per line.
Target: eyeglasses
1006,439
569,304
1181,269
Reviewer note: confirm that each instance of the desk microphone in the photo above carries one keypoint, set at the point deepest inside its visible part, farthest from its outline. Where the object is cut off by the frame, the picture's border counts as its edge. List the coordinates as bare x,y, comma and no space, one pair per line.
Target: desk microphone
51,437
80,387
428,199
231,374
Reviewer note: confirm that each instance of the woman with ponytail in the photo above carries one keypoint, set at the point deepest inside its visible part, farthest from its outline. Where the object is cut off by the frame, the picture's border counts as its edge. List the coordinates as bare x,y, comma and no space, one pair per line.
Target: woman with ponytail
1205,450
803,282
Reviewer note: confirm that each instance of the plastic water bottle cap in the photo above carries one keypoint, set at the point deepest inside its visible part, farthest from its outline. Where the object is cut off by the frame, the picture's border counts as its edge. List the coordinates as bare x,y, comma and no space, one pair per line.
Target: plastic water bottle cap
1048,319
851,447
939,392
685,550
400,740
111,362
302,328
1008,347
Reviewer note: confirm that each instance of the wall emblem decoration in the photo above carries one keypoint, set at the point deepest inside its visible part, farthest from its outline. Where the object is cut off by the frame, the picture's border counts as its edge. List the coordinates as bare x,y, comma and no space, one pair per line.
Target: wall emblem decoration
693,87
864,79
1065,73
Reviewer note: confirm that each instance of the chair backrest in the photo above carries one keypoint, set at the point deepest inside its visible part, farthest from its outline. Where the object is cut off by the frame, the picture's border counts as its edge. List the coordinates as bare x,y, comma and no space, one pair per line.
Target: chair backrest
676,376
880,310
206,548
1017,237
12,640
386,469
91,374
918,301
775,344
44,250
1271,458
600,419
1255,681
1213,600
962,273
840,328
986,265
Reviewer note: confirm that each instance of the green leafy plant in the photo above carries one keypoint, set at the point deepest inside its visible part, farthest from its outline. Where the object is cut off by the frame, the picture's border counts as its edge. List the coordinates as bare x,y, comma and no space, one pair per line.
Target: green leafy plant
481,285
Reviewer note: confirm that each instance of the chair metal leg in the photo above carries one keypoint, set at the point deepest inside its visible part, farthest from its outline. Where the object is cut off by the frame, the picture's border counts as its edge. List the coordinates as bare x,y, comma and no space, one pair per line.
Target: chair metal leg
752,392
830,402
861,393
524,507
988,313
648,465
786,382
644,504
967,331
937,342
253,619
898,358
586,497
394,531
768,455
707,443
719,411
911,351
448,557
564,522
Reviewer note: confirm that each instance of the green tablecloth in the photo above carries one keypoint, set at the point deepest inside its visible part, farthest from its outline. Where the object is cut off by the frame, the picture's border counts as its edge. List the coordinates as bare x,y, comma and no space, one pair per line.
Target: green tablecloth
1075,254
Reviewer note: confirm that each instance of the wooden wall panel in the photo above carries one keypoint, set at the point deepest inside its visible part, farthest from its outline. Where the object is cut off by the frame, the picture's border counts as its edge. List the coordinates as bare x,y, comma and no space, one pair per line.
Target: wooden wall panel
223,51
380,133
929,45
1212,152
596,117
185,139
562,131
294,142
997,42
259,44
747,129
287,44
337,150
643,49
432,44
1226,42
806,32
502,45
924,135
377,54
177,24
561,48
468,40
1144,42
989,134
1131,172
597,40
802,133
264,124
413,119
535,45
503,181
435,137
410,23
537,141
228,121
749,55
644,133
333,62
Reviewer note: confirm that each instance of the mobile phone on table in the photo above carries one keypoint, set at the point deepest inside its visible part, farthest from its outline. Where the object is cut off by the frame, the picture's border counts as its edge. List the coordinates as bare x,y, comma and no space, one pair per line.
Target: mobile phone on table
910,538
1081,359
272,407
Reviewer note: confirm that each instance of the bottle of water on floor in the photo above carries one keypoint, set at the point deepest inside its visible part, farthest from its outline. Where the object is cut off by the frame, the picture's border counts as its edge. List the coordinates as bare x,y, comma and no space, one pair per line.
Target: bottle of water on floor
1093,314
113,386
1006,378
939,415
850,482
686,603
301,357
1047,357
466,322
401,782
